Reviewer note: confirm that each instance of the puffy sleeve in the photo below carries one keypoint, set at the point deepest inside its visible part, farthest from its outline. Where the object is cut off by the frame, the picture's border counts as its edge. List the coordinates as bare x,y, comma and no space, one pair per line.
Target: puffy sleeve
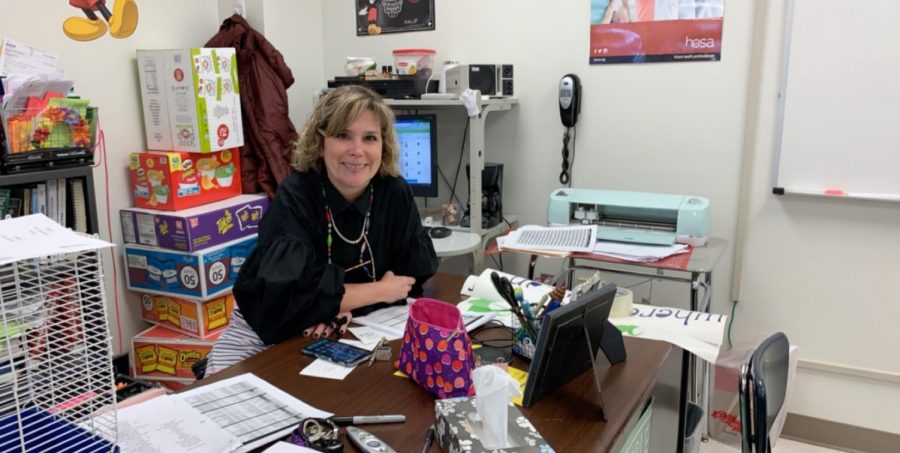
283,287
281,290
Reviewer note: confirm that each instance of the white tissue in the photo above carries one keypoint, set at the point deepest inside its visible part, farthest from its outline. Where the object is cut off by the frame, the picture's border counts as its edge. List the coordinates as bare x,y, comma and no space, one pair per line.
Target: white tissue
469,100
494,388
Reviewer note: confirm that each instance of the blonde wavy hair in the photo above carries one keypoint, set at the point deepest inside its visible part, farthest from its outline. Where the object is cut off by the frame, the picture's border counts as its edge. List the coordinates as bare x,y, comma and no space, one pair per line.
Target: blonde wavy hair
335,112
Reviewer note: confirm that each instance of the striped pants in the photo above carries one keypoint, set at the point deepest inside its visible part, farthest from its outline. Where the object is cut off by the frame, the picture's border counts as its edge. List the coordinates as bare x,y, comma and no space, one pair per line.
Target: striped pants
238,342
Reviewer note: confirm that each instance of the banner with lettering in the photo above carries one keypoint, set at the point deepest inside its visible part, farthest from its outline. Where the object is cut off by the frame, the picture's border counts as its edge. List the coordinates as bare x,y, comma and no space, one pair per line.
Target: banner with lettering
646,31
698,332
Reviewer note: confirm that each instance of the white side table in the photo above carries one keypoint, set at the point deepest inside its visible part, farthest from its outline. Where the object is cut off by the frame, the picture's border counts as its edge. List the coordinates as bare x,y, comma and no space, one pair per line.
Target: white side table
458,243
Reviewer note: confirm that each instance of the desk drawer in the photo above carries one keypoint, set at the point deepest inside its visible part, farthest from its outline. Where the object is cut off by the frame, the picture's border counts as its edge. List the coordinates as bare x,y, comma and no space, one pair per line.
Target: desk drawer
638,440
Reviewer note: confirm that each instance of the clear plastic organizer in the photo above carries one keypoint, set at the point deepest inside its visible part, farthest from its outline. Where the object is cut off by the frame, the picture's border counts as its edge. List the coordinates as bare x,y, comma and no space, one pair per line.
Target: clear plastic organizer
522,344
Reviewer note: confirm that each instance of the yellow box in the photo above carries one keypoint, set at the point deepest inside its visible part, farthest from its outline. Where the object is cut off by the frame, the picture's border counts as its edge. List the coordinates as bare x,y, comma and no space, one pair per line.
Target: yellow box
163,354
191,317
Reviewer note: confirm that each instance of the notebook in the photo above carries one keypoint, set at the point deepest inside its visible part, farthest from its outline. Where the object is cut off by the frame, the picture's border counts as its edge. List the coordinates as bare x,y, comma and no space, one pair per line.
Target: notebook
77,207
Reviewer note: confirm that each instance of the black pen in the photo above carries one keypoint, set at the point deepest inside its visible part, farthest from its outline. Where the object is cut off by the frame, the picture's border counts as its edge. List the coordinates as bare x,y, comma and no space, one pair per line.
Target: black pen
429,438
368,419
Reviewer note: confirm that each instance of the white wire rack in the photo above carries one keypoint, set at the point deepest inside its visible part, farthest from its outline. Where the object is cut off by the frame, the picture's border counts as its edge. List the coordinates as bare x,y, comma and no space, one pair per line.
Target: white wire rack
57,391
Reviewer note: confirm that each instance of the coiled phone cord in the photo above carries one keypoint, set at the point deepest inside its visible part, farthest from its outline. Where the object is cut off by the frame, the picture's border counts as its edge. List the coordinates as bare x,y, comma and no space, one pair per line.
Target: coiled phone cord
564,176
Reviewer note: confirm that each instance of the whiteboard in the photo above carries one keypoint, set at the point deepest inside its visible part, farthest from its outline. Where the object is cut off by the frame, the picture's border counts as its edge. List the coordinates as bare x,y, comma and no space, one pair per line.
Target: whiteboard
839,101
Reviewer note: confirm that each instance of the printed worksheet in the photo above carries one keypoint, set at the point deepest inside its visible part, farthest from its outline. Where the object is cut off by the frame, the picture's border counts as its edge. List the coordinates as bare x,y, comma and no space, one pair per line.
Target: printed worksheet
250,409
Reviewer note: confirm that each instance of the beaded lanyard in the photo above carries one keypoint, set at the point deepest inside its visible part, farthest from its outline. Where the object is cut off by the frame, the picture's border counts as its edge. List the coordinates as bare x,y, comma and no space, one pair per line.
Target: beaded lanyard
363,235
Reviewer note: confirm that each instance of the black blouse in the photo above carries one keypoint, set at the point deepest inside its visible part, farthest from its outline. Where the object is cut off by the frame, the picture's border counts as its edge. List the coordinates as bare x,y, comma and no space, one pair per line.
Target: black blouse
286,285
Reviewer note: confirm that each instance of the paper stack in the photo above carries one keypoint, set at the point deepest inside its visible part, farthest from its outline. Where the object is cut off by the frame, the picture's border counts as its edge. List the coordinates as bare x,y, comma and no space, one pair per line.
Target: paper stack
638,252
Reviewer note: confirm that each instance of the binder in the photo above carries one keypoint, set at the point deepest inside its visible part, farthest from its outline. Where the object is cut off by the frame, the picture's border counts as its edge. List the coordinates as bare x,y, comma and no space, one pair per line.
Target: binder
77,207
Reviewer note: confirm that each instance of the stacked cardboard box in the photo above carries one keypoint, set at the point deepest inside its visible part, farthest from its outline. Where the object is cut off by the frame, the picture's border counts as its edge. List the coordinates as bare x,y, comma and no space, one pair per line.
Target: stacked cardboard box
164,355
191,228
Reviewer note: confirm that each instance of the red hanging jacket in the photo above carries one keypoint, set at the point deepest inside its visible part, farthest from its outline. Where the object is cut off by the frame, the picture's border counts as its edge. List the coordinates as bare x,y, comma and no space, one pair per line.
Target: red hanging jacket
264,79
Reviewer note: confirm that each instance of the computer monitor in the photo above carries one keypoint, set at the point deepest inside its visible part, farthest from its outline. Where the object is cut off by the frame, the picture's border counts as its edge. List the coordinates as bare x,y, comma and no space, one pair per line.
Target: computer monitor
568,342
417,141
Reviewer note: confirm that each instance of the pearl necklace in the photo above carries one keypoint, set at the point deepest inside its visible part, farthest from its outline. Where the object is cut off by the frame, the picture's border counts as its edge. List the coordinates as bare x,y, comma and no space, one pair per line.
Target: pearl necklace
363,234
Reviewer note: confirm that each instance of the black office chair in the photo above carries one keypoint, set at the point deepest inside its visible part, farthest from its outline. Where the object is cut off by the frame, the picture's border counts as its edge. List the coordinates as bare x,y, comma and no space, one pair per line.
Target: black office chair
762,387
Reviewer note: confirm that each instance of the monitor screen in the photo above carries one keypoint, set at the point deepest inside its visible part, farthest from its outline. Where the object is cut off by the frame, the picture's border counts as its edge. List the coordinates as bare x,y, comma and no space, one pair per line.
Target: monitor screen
562,352
417,141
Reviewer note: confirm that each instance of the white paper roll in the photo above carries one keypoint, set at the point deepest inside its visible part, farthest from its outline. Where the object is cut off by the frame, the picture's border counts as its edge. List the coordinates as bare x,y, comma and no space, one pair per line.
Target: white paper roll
622,304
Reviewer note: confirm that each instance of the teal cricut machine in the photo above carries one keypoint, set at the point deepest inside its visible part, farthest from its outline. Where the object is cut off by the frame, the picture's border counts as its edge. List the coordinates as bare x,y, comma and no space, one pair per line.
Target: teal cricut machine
638,217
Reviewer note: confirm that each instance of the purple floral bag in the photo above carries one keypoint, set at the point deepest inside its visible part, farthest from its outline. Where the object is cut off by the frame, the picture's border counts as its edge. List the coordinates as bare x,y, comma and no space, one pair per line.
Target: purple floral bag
436,350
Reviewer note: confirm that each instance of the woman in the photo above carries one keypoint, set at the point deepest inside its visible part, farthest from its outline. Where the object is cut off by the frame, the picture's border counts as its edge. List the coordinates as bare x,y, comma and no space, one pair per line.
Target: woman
341,237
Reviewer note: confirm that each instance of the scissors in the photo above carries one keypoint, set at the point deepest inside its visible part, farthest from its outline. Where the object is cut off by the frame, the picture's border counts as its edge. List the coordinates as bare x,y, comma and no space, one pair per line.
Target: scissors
505,288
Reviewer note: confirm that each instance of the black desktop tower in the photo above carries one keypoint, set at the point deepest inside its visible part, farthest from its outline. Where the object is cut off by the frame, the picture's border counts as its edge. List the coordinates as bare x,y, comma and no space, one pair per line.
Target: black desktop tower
491,196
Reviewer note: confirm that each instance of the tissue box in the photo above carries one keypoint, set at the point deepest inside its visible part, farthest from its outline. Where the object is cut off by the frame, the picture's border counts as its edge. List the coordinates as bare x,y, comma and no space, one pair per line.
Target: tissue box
191,99
161,354
195,318
197,228
457,431
200,275
174,181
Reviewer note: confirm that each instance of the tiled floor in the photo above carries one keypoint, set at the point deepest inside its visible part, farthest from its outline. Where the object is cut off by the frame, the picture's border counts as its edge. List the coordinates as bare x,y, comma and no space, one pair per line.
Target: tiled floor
783,445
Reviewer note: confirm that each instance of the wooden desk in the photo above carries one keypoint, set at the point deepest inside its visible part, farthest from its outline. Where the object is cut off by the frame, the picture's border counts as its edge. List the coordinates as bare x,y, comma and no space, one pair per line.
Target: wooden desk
569,419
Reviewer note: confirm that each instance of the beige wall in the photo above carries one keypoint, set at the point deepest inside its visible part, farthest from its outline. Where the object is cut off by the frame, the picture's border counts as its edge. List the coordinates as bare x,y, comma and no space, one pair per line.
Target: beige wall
685,128
823,271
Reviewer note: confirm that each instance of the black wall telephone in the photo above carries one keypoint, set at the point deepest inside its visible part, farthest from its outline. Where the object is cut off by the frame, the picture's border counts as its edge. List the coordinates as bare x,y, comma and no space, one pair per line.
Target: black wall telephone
569,108
569,99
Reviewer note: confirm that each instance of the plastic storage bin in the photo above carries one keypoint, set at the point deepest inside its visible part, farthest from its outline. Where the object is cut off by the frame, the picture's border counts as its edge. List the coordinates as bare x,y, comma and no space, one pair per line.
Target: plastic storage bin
417,62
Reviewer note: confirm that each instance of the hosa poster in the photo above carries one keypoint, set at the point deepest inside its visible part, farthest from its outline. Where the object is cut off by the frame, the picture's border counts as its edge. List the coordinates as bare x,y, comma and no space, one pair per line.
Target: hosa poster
645,31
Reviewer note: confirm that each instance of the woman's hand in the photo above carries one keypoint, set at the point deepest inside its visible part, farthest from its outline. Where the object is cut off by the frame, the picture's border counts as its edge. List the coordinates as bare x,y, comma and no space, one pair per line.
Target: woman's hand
325,329
395,287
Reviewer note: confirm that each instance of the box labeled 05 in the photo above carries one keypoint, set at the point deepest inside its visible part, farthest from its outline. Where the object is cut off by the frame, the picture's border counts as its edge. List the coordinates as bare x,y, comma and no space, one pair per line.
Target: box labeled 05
191,317
200,275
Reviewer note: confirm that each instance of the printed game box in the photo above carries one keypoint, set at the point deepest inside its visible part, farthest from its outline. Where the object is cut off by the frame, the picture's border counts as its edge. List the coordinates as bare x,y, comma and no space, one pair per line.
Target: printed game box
171,181
161,354
457,427
194,318
201,275
191,99
196,228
